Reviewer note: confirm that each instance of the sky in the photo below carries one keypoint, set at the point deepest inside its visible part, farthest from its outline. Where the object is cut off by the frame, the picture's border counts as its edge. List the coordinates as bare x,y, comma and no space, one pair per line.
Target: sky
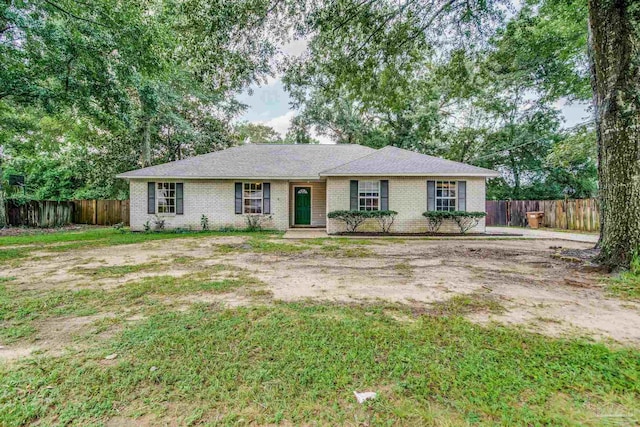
269,103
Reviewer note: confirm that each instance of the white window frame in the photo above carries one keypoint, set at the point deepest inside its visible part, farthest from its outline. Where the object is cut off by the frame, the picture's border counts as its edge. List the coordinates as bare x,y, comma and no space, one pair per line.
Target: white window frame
163,193
451,200
365,191
252,194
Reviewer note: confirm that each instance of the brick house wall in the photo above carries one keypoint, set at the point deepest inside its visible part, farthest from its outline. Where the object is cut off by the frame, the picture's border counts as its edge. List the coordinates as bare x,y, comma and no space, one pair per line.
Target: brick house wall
216,200
408,197
213,198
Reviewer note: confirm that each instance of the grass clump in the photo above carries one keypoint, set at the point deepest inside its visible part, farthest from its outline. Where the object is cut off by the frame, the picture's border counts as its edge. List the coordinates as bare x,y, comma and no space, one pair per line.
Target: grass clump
116,270
262,245
461,305
627,284
403,269
7,255
299,364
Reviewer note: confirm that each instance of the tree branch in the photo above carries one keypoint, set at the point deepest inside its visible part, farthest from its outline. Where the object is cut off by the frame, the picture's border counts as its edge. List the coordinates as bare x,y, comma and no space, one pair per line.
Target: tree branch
430,21
72,15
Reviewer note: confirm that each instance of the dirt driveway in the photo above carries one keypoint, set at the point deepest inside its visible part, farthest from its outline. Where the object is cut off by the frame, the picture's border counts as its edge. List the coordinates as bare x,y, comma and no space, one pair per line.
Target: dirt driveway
508,281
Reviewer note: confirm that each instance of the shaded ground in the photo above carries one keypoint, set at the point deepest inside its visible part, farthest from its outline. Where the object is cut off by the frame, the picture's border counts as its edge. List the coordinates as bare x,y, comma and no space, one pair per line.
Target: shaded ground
19,231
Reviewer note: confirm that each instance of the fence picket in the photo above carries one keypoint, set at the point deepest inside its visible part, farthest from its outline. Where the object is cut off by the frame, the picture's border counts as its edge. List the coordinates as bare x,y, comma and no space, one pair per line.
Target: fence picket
49,213
576,214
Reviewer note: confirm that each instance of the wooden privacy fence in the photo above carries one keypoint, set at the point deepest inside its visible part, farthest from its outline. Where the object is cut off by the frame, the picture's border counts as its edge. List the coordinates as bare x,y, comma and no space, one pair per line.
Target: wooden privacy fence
574,214
48,213
101,212
39,213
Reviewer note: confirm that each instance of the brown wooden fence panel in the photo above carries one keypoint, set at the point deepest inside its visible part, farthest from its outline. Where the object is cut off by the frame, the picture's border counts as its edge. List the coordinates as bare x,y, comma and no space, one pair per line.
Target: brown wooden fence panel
48,213
40,213
102,212
110,212
83,211
575,214
497,212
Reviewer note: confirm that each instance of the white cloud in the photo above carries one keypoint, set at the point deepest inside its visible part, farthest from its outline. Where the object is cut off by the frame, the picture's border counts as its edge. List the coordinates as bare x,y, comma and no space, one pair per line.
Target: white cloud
281,124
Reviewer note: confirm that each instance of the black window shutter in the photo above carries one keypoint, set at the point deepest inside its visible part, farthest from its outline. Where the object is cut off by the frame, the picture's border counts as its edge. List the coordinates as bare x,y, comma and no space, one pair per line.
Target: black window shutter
462,196
353,205
431,195
151,197
266,198
238,197
384,195
179,198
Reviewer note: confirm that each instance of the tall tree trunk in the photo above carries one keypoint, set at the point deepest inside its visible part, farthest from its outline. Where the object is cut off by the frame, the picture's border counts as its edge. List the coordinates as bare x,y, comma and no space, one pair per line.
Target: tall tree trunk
146,143
614,27
4,221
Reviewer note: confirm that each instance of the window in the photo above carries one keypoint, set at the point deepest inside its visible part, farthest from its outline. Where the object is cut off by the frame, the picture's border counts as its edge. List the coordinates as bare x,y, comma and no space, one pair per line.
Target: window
252,198
369,195
166,197
446,195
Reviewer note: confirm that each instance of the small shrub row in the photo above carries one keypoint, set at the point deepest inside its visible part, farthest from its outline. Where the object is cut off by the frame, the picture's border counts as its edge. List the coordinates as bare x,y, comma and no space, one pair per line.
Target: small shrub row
354,218
253,223
464,220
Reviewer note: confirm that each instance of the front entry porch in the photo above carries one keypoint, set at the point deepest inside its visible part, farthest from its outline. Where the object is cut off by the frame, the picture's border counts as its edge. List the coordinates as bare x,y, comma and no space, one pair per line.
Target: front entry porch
307,204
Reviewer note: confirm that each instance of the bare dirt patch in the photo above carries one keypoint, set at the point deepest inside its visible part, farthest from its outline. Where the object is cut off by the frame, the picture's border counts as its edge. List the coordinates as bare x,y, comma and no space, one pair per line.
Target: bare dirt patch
54,336
537,291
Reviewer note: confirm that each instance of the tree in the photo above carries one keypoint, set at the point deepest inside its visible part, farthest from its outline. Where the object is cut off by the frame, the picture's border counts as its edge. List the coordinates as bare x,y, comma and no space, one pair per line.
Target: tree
614,43
256,133
88,90
299,132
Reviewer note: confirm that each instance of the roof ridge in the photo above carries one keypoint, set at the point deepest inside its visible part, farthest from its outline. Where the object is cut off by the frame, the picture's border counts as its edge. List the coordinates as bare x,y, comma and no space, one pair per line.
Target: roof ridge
303,145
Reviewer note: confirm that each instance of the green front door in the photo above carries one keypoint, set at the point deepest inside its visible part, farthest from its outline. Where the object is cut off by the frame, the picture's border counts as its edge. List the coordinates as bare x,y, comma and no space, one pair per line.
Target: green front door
303,206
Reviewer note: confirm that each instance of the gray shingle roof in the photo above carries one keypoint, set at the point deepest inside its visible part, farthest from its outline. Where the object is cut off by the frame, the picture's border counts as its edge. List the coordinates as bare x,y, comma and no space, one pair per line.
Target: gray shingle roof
283,161
396,161
257,161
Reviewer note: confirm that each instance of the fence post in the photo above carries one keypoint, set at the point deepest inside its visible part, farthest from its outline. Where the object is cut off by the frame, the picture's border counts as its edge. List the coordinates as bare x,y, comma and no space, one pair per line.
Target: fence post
95,212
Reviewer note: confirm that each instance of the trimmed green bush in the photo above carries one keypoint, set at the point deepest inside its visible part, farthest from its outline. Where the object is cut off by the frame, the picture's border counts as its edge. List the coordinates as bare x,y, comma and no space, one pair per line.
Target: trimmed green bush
353,219
465,220
468,220
435,219
385,219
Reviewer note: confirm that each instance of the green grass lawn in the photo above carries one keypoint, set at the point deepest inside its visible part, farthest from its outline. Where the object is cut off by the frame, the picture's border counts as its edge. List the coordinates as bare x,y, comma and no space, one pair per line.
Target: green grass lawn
290,363
627,283
97,237
300,363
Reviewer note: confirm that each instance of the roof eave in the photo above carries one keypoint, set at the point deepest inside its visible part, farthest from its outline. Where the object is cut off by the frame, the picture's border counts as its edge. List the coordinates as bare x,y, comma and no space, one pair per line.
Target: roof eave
467,174
174,177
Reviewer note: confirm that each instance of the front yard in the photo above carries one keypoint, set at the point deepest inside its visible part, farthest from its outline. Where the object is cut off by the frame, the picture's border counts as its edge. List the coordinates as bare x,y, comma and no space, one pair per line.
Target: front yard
102,327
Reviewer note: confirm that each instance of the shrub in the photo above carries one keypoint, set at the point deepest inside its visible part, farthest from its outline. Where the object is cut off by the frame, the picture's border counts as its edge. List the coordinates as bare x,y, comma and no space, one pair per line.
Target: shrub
120,227
353,219
204,222
147,227
385,219
435,219
255,222
159,223
467,220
